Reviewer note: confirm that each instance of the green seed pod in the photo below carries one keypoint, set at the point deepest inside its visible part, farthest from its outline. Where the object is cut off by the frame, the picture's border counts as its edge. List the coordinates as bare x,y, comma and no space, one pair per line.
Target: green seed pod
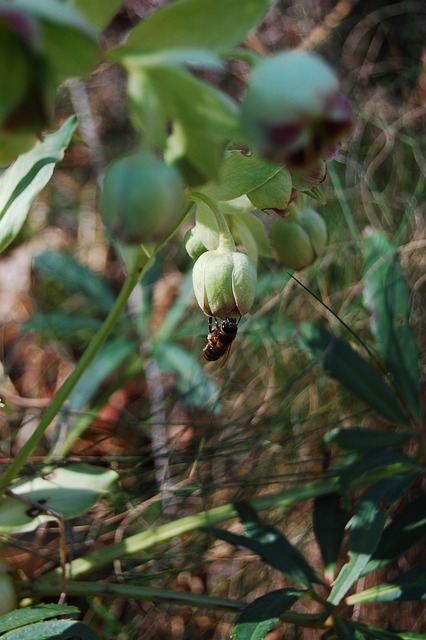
224,283
299,238
275,193
193,243
141,198
293,110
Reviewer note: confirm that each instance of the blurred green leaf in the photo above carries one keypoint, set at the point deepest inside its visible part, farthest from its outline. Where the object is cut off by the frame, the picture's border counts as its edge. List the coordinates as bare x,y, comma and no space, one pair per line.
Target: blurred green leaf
382,634
386,296
360,439
98,12
261,615
346,630
343,363
197,389
27,615
214,24
61,325
106,362
23,181
329,521
409,586
271,545
53,630
239,174
69,491
389,465
64,269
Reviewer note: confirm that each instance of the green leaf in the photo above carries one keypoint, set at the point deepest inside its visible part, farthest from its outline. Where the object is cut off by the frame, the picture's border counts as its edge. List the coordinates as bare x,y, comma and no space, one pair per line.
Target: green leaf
239,174
329,521
260,616
106,362
53,630
214,24
366,527
68,491
343,363
271,545
64,269
407,529
252,225
23,181
346,630
27,615
360,439
383,634
98,12
409,586
389,465
387,297
61,325
197,389
68,39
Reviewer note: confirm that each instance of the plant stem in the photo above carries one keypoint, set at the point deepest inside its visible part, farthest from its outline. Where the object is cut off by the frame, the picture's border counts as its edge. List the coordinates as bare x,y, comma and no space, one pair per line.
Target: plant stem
69,384
92,589
226,241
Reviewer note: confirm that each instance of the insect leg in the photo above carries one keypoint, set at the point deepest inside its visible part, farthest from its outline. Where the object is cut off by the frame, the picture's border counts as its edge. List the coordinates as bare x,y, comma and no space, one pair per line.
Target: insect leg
210,324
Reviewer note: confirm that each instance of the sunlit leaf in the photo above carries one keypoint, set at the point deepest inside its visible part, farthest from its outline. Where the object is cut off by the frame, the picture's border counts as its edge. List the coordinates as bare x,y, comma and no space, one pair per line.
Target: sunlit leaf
98,12
53,630
260,616
214,24
386,296
68,491
24,180
409,586
343,363
28,615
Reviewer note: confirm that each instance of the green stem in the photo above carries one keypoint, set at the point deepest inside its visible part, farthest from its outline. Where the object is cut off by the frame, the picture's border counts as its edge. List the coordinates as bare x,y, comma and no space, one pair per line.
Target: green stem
93,589
141,541
226,241
69,384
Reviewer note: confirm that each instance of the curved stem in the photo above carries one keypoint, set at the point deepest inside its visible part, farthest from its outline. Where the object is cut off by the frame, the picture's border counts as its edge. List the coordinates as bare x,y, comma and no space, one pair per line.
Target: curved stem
69,384
226,241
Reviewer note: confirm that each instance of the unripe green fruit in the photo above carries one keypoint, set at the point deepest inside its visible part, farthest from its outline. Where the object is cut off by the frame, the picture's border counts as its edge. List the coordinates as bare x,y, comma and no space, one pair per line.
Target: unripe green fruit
141,198
193,244
293,110
299,239
275,193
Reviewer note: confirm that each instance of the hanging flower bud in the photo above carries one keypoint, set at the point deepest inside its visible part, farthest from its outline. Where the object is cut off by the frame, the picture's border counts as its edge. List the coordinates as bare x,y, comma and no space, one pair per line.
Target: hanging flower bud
293,110
193,244
224,283
141,198
299,238
273,194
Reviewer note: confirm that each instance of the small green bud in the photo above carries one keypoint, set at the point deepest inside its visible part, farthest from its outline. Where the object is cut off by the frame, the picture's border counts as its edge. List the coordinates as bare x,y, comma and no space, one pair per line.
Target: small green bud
141,198
293,110
8,599
299,238
275,193
224,283
193,244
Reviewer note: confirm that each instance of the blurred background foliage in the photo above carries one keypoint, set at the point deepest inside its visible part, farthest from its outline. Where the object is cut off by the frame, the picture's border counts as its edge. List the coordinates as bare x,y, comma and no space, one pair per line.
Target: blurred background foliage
184,436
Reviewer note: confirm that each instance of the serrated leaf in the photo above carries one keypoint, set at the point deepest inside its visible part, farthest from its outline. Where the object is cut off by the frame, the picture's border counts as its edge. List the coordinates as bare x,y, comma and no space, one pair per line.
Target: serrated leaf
28,615
23,181
272,546
409,586
386,296
260,616
360,439
77,278
239,174
68,491
329,521
214,24
53,630
343,363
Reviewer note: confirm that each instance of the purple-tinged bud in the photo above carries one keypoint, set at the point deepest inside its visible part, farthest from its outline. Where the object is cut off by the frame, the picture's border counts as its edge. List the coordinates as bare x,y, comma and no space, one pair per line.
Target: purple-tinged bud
273,194
293,111
224,283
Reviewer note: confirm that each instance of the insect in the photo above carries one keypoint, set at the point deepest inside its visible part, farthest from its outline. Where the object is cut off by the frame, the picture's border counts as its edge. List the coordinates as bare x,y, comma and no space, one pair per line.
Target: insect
220,339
